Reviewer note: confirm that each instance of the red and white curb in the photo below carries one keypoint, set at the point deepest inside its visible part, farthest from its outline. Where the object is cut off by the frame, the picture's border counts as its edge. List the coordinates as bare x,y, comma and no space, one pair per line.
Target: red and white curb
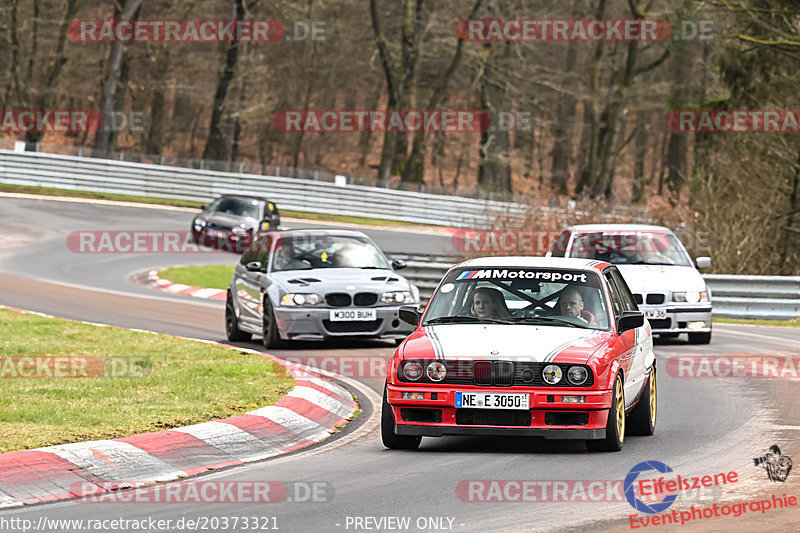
152,280
310,413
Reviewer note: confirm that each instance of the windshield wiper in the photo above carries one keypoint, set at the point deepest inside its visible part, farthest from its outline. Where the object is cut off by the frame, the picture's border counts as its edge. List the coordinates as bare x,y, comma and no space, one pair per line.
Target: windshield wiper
548,319
463,319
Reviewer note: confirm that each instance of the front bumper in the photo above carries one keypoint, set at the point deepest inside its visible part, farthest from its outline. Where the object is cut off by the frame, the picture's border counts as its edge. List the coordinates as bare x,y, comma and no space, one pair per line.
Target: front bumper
678,318
549,416
227,241
305,323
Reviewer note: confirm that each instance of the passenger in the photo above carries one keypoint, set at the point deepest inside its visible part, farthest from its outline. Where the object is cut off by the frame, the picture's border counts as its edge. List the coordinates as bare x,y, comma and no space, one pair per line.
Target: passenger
489,303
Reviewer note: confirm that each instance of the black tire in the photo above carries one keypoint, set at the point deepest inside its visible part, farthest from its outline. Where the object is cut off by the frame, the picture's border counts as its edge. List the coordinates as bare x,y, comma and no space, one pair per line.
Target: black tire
615,427
703,337
232,330
642,420
390,439
271,338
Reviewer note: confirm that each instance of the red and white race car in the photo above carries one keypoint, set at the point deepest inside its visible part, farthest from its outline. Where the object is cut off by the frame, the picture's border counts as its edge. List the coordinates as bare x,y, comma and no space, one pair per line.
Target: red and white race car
549,347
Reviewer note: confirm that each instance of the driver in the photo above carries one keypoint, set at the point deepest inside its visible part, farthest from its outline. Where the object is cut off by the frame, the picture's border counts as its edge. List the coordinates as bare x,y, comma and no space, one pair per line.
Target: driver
570,303
287,259
489,303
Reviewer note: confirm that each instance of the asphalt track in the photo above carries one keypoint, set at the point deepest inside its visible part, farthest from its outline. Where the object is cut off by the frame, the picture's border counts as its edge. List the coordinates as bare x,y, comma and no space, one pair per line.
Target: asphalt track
705,426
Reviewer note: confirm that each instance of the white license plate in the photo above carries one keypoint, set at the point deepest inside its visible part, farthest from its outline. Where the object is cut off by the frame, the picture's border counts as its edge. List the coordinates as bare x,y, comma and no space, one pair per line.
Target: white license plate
348,315
655,313
490,400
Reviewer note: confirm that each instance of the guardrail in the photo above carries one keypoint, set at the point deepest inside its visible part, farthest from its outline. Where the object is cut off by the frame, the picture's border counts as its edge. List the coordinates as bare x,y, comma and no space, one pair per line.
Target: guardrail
748,297
140,179
765,297
291,193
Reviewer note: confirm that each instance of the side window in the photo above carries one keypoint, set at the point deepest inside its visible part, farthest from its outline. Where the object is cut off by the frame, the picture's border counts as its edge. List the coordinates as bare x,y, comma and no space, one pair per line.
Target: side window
616,301
628,304
559,246
259,250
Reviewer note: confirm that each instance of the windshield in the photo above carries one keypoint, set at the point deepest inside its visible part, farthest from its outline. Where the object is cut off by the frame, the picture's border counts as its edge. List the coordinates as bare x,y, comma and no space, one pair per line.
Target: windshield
237,207
304,252
513,295
640,248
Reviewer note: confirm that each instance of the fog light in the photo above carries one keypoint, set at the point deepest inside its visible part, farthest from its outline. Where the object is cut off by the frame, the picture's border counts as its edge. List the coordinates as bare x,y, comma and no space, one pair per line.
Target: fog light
573,399
413,395
696,325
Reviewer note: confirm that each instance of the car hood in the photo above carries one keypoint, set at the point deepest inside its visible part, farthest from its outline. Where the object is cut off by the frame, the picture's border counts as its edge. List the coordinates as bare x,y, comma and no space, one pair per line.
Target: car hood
223,220
520,342
352,280
662,278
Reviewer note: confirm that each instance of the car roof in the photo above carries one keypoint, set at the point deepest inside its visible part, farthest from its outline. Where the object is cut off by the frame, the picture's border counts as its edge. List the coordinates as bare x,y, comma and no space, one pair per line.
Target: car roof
530,261
582,228
244,197
317,232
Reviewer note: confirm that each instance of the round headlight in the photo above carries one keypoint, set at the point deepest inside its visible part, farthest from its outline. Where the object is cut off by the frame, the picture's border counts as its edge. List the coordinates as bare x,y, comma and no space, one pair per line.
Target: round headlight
577,375
436,371
692,297
551,374
412,370
299,299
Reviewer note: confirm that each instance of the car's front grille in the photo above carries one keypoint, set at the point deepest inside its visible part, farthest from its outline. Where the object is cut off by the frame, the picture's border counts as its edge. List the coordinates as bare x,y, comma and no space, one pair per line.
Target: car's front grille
659,323
365,299
655,299
354,326
499,374
338,299
493,417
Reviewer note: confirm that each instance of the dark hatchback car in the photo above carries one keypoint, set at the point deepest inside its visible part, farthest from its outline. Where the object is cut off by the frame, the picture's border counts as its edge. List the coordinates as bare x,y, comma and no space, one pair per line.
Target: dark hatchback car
230,221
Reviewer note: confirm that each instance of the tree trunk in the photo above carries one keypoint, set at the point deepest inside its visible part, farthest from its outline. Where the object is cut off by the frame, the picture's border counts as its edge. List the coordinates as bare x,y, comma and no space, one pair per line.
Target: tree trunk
47,98
640,152
494,169
218,145
129,10
414,171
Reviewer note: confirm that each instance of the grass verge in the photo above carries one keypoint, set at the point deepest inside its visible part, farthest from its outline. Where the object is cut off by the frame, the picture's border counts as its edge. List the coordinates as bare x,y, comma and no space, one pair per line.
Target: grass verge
207,276
149,382
50,191
795,323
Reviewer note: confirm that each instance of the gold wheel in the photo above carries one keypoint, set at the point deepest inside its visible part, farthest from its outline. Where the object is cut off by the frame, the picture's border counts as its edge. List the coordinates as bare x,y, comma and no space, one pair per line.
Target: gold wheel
653,396
619,395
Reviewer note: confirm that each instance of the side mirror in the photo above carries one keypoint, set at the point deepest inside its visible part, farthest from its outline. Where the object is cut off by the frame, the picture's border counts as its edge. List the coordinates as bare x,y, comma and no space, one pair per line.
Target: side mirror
253,266
629,320
703,263
203,207
409,315
398,264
